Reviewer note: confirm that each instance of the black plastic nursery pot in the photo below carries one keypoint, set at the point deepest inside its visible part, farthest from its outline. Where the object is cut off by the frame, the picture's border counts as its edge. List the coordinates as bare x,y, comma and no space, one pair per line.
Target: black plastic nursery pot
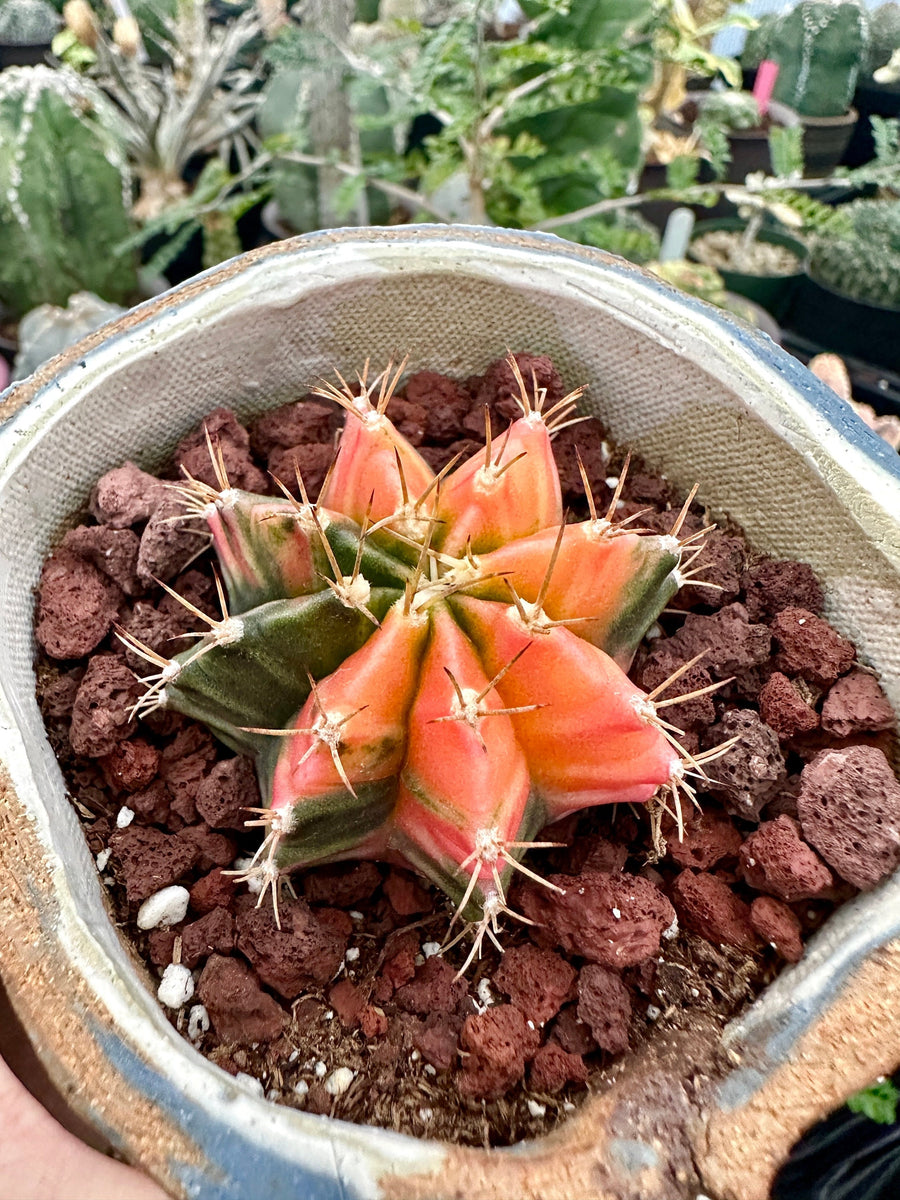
824,141
870,100
29,54
774,293
869,332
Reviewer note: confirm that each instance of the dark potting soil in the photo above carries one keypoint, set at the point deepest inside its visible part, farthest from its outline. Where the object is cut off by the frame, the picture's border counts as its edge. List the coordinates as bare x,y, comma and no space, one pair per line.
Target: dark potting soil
350,1008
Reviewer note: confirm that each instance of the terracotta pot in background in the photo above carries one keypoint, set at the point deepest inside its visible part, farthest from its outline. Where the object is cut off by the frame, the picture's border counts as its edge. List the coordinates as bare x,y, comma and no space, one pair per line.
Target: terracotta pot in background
702,398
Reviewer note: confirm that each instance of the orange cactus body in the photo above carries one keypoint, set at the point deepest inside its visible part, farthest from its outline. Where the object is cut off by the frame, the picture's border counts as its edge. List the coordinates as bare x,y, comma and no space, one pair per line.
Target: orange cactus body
435,656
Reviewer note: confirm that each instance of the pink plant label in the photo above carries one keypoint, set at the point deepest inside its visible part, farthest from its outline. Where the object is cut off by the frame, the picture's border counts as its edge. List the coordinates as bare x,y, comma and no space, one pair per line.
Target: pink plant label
765,84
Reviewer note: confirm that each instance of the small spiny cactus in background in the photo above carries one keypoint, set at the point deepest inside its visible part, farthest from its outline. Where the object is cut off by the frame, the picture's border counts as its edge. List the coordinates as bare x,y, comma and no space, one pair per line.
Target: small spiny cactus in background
28,22
64,192
820,48
884,36
863,262
429,669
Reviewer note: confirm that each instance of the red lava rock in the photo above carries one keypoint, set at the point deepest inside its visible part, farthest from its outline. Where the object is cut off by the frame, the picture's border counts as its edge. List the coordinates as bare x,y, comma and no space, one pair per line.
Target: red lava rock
151,804
600,854
437,1039
348,1001
733,645
445,403
553,1067
57,695
373,1021
183,766
239,1010
808,646
336,920
224,795
588,437
406,894
849,808
662,661
167,546
409,419
604,1005
784,709
212,891
126,496
342,885
721,562
777,925
214,932
437,457
198,589
312,461
753,771
112,551
856,704
160,631
149,859
500,391
433,989
130,766
498,1042
292,425
100,717
399,966
161,945
774,859
77,606
291,958
583,920
709,907
709,837
213,849
571,1032
232,441
536,980
771,585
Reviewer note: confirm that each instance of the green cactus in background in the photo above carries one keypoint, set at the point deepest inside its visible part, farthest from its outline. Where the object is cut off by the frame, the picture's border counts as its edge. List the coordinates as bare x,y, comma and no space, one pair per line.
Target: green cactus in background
27,22
758,42
64,192
884,36
731,110
864,263
819,48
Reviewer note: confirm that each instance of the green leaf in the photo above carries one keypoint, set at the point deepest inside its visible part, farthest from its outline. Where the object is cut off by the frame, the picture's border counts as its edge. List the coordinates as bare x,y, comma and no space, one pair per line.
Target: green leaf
786,151
877,1102
682,171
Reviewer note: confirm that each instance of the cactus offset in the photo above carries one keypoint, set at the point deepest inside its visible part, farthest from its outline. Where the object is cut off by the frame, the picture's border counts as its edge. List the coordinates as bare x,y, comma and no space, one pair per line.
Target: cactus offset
28,22
430,669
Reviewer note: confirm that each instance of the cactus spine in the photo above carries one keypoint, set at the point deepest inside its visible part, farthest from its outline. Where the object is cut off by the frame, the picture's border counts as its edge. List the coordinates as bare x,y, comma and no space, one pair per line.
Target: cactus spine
429,670
819,47
64,191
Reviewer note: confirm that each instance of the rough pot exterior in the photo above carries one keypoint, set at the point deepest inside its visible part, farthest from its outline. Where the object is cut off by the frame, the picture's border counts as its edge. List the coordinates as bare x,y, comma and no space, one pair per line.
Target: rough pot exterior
701,397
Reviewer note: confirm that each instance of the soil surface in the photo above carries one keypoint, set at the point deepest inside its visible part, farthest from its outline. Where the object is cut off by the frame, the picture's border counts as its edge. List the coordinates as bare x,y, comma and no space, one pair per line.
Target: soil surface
350,1008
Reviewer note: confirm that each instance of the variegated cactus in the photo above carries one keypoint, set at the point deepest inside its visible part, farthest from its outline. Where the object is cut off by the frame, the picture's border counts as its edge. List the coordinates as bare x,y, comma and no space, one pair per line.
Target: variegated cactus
429,669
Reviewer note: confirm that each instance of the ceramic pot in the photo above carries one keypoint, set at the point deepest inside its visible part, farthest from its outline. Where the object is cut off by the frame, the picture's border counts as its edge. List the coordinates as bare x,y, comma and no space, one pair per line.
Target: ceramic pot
695,392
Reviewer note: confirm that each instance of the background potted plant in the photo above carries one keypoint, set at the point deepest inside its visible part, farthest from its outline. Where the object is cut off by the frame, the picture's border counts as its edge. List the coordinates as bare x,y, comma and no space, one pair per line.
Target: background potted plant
819,48
736,413
27,28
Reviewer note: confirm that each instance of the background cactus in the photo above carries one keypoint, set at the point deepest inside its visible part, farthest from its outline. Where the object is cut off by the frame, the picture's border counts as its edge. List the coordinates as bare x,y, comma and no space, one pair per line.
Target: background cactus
864,262
64,192
819,48
429,670
27,22
884,36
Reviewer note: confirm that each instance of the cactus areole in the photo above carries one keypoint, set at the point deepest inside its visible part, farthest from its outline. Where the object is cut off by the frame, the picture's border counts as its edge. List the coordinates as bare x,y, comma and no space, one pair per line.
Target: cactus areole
429,669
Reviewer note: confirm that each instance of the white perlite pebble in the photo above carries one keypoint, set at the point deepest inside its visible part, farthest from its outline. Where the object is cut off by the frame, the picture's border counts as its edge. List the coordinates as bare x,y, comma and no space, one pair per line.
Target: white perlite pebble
430,949
124,817
103,858
321,1070
537,1110
198,1022
671,932
176,986
485,995
249,1083
352,954
165,907
301,1088
338,1081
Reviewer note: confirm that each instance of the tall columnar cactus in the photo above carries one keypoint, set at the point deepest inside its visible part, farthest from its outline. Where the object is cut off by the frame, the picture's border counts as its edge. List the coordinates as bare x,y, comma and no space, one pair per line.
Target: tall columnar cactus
864,263
64,192
819,47
27,22
884,36
430,669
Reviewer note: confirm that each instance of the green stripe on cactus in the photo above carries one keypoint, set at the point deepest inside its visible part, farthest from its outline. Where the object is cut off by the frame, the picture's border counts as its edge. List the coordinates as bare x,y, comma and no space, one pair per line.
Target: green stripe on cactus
377,565
262,679
337,824
652,586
